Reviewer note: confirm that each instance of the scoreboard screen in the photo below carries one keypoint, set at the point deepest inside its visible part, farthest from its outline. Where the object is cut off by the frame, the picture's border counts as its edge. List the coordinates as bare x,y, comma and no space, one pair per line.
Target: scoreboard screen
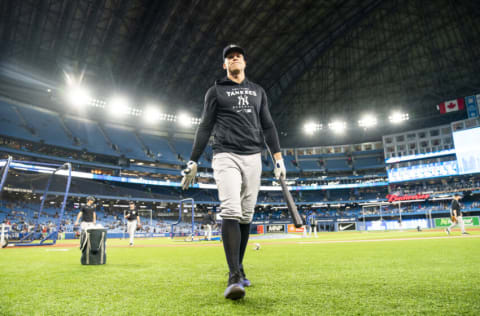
467,147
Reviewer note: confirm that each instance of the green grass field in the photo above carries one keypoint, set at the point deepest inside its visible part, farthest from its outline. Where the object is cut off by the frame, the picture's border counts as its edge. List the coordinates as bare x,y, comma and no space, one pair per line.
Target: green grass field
290,277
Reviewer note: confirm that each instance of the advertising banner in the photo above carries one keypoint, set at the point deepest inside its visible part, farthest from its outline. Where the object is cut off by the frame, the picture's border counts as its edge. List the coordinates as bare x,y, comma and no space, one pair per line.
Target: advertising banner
347,226
280,228
472,108
446,221
260,229
292,229
393,224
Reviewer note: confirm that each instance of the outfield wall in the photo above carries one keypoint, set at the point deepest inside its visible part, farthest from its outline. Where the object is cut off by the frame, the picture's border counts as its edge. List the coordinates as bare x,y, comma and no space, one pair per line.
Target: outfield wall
140,235
285,227
359,224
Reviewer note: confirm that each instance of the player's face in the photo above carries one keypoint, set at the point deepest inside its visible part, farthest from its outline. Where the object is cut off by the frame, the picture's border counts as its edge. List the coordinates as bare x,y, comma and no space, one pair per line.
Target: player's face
89,202
132,206
234,63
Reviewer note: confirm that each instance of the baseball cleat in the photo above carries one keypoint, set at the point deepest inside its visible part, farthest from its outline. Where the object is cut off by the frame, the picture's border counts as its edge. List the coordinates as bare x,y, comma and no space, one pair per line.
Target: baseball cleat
246,282
235,289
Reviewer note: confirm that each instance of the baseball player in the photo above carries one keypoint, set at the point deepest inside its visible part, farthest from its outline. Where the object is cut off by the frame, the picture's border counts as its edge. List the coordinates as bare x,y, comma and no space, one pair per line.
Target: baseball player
208,221
236,112
312,219
456,214
88,214
304,226
133,220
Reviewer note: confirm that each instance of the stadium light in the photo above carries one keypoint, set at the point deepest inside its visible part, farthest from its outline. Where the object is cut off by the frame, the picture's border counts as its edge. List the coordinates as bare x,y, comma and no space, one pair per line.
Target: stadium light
152,114
184,120
118,106
310,127
98,103
367,121
398,117
78,96
338,127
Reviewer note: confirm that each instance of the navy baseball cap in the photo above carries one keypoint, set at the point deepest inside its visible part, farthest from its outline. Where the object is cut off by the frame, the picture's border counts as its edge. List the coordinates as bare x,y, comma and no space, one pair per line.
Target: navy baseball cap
231,48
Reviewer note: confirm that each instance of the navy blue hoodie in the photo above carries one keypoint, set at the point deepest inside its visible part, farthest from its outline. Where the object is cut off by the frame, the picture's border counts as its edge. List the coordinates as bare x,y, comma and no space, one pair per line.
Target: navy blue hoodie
239,117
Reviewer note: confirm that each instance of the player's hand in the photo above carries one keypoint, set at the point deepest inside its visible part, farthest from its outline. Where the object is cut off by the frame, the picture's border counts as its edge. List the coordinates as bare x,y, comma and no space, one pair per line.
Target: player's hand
76,224
189,174
280,170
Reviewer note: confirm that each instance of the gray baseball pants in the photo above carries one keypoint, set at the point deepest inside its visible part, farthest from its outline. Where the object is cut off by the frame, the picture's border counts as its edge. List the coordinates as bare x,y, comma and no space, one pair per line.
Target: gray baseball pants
131,228
459,222
238,181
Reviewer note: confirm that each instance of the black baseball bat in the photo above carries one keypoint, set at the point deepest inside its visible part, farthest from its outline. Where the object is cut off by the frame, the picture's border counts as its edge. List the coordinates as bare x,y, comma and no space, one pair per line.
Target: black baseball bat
292,207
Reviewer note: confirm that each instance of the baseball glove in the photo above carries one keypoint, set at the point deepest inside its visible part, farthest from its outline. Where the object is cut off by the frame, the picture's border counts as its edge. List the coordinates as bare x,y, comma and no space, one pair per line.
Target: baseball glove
454,219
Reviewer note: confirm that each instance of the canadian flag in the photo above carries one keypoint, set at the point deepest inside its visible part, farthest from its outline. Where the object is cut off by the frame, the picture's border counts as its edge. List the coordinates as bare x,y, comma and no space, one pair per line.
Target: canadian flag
451,106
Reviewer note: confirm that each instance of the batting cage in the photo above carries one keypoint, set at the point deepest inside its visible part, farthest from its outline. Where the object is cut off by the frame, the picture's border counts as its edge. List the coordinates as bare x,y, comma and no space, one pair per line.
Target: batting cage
369,211
33,201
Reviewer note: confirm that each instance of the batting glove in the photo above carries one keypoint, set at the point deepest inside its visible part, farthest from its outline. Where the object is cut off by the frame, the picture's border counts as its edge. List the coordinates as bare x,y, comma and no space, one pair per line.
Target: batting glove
189,174
280,170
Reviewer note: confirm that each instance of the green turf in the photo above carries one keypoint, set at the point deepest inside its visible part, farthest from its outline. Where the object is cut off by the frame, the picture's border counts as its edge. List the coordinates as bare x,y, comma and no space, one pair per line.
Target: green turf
438,276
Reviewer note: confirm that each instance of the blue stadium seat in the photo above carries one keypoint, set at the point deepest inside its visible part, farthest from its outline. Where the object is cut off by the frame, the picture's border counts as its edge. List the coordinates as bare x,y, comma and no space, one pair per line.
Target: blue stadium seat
289,165
363,163
160,148
183,147
10,124
309,165
337,165
90,136
47,126
127,142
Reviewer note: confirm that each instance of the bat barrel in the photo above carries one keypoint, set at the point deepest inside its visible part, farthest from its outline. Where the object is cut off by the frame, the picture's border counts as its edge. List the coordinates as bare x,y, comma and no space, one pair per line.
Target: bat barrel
292,207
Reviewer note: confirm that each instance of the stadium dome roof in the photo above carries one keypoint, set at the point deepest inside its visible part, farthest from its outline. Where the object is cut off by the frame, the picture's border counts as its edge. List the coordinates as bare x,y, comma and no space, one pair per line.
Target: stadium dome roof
320,59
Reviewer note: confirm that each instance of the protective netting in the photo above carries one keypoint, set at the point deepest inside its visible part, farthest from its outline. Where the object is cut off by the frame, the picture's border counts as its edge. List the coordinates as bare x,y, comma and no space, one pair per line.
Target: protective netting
32,201
30,206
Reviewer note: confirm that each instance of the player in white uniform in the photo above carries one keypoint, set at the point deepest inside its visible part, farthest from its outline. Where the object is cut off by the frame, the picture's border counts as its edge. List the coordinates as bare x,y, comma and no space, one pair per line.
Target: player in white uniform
456,215
133,221
312,219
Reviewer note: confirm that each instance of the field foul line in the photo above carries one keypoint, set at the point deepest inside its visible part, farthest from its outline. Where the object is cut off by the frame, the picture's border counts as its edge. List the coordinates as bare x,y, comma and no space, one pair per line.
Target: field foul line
385,239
